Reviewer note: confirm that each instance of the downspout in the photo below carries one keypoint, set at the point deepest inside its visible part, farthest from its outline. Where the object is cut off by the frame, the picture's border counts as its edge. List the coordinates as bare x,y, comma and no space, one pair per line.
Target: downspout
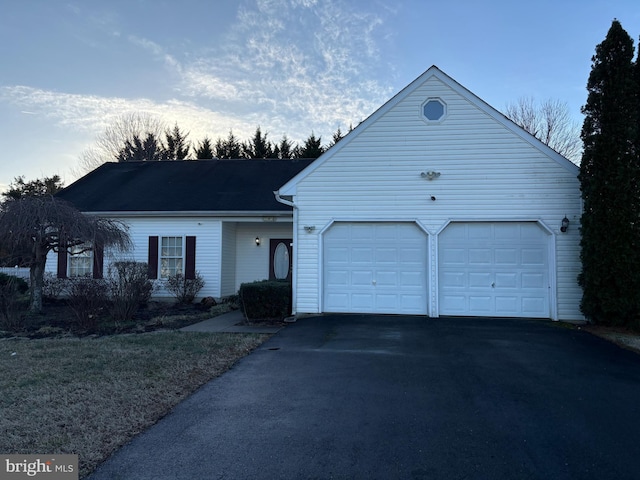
294,251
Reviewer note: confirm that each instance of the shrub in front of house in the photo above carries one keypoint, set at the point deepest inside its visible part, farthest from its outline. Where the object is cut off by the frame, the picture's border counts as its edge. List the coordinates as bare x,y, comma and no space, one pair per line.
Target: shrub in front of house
185,289
53,287
129,289
265,300
12,308
88,298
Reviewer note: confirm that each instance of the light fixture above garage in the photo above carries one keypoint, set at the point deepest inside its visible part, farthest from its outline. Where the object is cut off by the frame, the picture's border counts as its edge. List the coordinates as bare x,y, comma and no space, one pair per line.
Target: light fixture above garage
430,175
257,240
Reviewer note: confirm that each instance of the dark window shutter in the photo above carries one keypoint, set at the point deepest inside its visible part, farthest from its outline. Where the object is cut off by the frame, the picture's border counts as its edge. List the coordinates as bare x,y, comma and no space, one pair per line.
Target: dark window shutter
153,257
98,261
190,261
62,263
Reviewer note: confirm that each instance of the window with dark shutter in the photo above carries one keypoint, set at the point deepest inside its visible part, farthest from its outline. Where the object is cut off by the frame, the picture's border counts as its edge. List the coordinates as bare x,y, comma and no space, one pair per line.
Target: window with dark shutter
190,260
98,261
62,263
153,257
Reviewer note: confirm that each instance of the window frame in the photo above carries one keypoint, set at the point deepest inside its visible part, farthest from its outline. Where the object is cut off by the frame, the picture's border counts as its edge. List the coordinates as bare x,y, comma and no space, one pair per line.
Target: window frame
80,257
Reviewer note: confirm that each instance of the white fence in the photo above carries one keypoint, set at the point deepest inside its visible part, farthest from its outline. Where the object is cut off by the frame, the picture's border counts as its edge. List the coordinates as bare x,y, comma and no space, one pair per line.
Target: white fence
16,272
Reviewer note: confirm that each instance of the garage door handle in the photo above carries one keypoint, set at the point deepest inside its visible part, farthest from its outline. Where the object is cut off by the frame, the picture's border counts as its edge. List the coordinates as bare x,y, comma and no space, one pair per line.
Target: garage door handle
493,284
373,282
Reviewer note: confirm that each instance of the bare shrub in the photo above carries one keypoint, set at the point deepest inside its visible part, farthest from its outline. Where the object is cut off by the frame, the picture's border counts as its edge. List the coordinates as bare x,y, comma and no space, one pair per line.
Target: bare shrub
88,298
185,289
53,287
129,289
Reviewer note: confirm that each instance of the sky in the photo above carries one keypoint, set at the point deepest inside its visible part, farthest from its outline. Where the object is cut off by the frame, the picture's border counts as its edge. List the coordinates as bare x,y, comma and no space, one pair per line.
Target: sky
70,68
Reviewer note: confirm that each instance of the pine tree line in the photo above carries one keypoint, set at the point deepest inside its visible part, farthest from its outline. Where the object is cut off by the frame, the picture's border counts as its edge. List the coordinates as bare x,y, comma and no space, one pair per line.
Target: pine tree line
176,146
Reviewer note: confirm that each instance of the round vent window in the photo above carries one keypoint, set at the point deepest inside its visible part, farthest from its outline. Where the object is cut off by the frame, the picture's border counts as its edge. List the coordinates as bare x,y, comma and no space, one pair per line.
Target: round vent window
434,110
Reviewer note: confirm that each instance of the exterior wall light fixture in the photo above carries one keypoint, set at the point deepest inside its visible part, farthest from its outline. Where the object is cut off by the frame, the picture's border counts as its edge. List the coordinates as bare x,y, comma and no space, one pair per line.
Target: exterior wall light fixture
257,241
430,175
565,225
309,228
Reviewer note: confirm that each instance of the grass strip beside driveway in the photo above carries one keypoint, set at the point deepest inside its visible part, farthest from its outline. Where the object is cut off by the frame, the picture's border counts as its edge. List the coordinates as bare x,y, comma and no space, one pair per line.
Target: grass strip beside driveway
90,396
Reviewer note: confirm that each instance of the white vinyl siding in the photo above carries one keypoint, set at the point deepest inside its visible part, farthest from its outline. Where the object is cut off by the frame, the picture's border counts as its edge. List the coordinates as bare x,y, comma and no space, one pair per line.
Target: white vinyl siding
487,172
253,261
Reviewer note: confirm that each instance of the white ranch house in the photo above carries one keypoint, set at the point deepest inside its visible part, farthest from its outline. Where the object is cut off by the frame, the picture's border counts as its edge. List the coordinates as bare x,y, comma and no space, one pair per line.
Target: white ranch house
435,205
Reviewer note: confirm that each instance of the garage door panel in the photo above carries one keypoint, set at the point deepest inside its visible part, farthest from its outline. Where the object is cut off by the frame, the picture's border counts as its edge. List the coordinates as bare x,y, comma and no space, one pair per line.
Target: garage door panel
480,304
362,302
360,278
338,255
337,301
411,279
507,305
454,256
388,279
480,256
387,255
506,256
386,265
506,280
533,280
361,255
533,306
338,278
531,256
494,268
480,279
454,304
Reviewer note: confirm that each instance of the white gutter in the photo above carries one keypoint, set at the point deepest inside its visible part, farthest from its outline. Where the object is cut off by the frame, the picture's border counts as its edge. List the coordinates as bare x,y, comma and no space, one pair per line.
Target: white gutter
284,200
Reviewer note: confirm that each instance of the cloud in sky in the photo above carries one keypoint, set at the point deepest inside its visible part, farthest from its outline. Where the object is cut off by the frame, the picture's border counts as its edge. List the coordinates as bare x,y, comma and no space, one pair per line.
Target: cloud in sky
290,66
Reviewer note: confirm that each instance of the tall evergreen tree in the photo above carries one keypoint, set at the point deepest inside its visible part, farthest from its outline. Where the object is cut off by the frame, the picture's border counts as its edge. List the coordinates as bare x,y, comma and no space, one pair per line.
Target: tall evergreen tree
204,150
609,179
149,149
258,147
229,147
337,136
312,147
177,147
285,149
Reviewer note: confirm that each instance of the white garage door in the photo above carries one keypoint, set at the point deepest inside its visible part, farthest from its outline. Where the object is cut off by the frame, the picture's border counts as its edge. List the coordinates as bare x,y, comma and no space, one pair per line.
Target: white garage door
375,268
494,269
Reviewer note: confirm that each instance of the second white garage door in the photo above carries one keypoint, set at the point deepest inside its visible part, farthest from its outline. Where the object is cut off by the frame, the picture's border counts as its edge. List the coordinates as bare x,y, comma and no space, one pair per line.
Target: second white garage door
375,268
494,269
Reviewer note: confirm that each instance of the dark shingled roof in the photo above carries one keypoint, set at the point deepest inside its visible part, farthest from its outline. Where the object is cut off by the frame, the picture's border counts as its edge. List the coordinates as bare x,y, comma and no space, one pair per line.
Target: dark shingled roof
179,186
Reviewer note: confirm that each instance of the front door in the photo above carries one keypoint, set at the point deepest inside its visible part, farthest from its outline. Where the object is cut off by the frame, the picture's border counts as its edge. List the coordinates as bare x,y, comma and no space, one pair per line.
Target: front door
280,259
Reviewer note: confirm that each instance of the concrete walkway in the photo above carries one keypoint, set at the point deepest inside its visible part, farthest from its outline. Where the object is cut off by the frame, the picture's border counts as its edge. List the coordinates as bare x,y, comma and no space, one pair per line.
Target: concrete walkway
228,323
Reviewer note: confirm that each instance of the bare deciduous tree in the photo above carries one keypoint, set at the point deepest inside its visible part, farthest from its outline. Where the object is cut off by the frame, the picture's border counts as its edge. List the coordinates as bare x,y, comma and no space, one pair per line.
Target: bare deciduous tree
550,122
35,225
109,144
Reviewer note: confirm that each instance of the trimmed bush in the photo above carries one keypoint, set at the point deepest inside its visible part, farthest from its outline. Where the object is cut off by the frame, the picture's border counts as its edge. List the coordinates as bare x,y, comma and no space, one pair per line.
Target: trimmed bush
267,299
184,289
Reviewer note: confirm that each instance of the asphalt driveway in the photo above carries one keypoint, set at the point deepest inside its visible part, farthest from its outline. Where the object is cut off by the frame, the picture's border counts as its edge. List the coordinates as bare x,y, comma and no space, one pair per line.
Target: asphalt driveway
355,396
